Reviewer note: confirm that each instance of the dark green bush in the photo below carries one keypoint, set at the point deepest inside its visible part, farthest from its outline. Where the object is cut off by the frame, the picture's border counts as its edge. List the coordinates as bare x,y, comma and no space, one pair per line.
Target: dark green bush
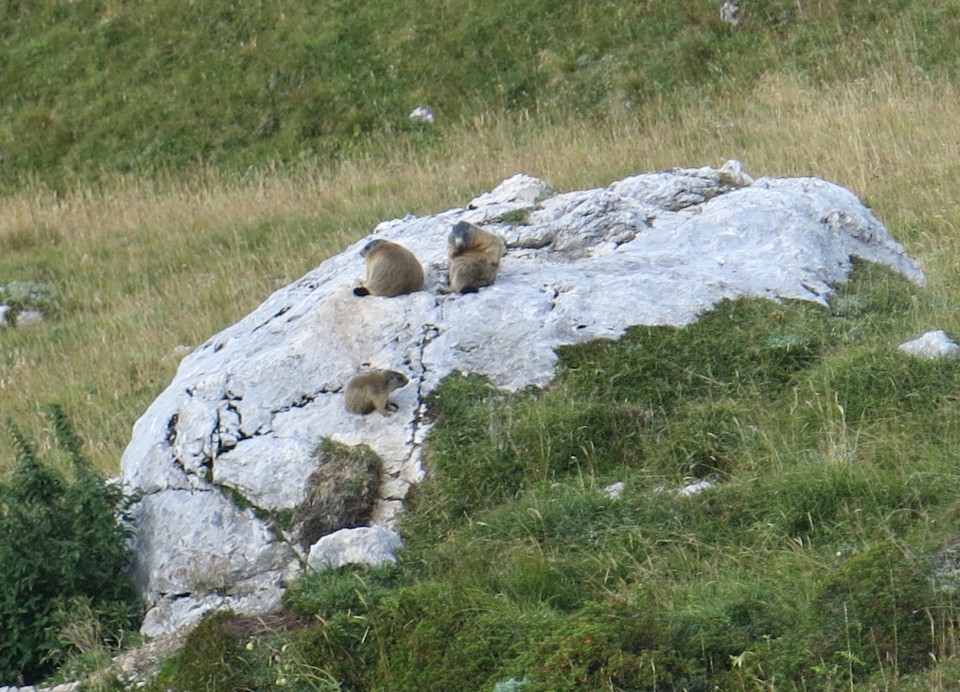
59,541
606,646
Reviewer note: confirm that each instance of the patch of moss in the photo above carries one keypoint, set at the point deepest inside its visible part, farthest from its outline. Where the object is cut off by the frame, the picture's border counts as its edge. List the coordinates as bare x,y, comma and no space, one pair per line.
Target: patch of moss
341,493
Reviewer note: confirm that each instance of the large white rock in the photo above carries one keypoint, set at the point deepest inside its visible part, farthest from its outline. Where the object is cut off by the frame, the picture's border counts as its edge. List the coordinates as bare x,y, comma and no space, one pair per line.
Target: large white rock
229,445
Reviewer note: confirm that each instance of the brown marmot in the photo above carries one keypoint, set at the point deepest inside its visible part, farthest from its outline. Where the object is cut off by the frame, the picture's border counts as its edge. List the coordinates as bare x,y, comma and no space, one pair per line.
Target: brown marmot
474,257
370,391
392,270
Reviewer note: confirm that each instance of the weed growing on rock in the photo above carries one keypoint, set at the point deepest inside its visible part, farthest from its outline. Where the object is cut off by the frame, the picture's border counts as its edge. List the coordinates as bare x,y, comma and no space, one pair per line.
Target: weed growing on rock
341,493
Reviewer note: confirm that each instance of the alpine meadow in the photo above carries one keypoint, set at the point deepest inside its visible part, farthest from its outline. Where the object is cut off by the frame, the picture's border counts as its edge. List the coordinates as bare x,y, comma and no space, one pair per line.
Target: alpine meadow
165,166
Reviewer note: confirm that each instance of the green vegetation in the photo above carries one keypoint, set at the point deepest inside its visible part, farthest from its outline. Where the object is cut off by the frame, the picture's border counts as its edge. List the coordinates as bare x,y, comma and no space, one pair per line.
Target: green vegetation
807,565
105,87
22,295
165,167
64,557
341,493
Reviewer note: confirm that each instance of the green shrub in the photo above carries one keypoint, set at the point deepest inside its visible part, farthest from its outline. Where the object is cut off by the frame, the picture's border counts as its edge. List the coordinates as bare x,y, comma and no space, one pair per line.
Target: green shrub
350,589
345,601
228,652
435,636
60,541
605,646
741,346
209,658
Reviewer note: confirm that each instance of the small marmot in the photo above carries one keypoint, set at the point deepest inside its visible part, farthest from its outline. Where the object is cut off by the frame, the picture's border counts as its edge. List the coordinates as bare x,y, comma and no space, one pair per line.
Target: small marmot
392,270
474,257
370,391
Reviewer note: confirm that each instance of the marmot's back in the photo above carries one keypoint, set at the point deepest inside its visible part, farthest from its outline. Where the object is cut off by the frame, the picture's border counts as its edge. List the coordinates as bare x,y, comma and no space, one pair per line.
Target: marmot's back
370,391
392,270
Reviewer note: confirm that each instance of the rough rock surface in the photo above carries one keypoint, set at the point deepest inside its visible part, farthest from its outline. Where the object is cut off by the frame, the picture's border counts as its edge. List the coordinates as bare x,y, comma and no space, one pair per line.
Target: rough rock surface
366,545
231,441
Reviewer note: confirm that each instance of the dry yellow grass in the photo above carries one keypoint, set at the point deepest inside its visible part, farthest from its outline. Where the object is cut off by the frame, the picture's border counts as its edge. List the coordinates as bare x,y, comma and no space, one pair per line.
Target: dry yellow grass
145,267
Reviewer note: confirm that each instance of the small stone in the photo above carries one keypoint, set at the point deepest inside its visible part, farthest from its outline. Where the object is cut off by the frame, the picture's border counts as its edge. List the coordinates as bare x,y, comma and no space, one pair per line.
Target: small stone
615,490
694,488
28,318
367,545
932,345
423,114
731,12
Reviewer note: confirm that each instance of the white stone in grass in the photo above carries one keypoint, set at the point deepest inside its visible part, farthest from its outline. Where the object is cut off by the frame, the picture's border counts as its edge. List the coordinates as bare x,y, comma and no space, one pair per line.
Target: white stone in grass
932,345
9,317
372,546
731,12
228,447
423,114
615,490
695,488
28,317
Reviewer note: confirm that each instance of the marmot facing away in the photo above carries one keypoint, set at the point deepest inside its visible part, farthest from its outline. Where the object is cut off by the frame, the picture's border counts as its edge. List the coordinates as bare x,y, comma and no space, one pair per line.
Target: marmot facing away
370,391
474,257
392,270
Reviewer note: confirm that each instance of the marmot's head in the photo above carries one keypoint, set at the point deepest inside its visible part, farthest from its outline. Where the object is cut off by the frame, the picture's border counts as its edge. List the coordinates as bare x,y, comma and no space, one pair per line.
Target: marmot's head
372,246
396,379
462,235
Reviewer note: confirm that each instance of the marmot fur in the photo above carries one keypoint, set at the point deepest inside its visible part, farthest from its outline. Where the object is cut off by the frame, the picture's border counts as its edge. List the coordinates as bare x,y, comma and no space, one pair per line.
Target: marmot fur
370,391
392,270
474,257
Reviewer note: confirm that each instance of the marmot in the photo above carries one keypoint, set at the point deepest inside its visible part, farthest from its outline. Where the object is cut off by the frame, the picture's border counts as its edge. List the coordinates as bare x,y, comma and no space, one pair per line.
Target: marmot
474,257
370,391
392,270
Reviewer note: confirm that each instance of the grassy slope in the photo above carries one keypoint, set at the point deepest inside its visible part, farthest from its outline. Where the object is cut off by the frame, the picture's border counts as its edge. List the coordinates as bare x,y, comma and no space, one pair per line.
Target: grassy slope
116,87
809,567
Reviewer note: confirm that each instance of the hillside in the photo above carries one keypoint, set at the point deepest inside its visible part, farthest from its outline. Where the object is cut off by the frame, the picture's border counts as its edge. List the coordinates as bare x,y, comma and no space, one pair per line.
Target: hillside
98,88
166,166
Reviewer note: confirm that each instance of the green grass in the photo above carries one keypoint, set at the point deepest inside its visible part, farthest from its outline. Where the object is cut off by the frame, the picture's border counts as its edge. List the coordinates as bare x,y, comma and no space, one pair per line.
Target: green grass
103,88
808,566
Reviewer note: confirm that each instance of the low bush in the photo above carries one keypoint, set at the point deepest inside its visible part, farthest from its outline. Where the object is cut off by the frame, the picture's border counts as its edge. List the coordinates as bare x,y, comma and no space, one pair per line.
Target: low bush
62,549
